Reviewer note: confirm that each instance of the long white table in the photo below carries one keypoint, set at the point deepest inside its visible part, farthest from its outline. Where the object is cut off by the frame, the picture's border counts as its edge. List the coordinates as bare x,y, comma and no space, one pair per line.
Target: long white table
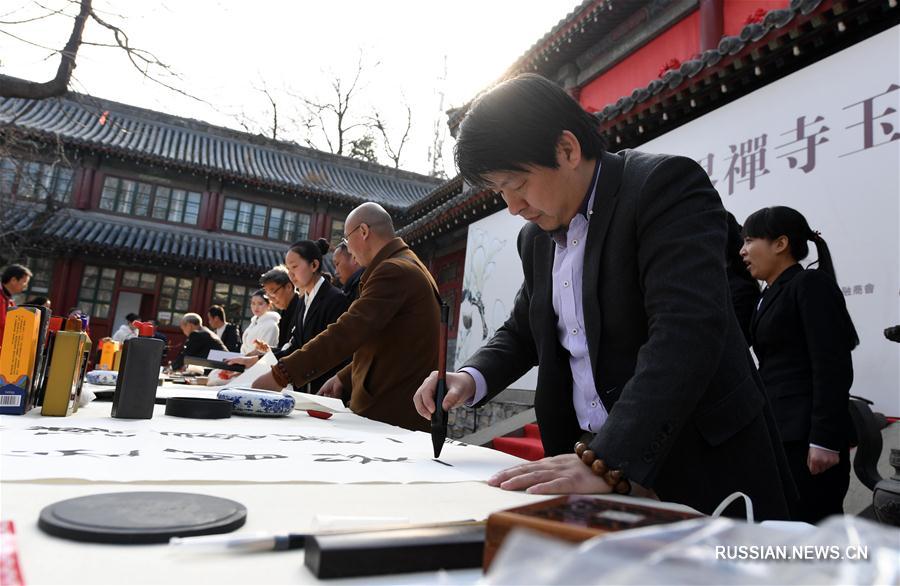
271,507
286,506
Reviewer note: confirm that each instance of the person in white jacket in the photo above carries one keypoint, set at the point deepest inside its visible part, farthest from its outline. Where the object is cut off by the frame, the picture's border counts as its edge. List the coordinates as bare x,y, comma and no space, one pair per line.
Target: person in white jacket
263,325
127,331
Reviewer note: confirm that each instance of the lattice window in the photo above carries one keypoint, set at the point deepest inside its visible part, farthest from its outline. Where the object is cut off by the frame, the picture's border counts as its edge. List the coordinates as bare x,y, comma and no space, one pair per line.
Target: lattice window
174,300
35,180
260,220
139,280
96,294
236,301
138,198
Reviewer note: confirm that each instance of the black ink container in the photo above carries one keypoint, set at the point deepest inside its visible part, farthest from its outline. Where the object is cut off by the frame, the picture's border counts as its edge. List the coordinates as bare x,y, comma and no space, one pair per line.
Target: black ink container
138,375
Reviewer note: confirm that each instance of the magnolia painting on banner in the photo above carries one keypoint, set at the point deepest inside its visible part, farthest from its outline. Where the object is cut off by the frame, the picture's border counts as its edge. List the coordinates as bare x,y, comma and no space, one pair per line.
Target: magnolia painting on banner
491,278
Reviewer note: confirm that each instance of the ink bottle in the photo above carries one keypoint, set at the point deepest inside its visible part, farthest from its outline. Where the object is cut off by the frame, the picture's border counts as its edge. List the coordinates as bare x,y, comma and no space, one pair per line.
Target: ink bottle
138,377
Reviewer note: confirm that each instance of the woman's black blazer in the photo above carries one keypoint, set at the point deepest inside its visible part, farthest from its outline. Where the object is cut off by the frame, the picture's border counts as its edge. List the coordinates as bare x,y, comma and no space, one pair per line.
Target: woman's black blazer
802,335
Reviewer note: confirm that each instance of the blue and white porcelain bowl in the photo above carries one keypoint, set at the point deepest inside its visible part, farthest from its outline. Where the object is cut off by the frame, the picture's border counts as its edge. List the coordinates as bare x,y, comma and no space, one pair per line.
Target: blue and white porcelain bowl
257,402
102,377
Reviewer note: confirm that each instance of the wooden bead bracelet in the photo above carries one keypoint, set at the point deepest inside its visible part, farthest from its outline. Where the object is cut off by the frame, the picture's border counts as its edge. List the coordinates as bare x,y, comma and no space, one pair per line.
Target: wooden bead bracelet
614,478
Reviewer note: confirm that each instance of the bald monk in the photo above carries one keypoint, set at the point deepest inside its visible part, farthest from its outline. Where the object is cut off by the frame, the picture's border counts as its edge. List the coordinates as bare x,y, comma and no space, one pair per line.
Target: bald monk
391,330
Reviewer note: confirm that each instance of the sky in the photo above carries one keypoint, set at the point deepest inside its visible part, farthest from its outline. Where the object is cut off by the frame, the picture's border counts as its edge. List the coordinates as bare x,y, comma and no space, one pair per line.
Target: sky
426,54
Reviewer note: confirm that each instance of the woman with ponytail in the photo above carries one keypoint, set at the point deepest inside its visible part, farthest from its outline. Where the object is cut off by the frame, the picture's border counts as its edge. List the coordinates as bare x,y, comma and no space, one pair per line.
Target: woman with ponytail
321,303
802,336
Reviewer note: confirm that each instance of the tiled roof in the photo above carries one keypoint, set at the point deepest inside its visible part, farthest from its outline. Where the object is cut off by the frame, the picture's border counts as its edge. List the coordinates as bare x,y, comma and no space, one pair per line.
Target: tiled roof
109,127
784,41
728,46
76,231
575,33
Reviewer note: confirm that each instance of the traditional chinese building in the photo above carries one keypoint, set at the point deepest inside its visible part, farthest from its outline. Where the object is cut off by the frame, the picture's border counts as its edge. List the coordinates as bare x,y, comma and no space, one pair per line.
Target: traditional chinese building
119,210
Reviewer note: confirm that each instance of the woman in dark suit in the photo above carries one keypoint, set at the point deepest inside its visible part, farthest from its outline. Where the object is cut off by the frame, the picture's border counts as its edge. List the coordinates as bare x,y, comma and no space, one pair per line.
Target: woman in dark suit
321,303
802,335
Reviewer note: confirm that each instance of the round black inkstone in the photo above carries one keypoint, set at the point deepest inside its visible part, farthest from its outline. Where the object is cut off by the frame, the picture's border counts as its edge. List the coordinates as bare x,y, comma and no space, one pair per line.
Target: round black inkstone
198,408
141,517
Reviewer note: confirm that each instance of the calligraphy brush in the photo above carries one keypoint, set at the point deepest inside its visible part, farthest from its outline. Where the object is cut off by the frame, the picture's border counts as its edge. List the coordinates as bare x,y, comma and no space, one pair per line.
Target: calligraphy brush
262,541
439,417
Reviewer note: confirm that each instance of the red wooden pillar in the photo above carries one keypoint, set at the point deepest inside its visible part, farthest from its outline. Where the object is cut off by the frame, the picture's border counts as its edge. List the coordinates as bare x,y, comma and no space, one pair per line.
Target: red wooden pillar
66,284
201,294
711,23
325,226
84,182
318,226
213,203
220,208
96,189
212,210
60,285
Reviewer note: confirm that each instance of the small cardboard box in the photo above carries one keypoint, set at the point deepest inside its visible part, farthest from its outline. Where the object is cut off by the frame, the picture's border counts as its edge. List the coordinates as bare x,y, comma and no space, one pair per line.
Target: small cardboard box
18,357
574,518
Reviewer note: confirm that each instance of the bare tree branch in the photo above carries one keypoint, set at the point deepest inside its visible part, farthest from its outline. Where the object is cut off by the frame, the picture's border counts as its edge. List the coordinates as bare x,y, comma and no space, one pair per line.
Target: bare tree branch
393,152
144,61
18,88
439,130
268,94
11,12
338,107
49,14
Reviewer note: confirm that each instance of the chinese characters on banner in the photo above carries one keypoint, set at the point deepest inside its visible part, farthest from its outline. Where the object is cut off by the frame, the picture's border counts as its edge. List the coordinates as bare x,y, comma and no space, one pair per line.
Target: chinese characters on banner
746,161
824,140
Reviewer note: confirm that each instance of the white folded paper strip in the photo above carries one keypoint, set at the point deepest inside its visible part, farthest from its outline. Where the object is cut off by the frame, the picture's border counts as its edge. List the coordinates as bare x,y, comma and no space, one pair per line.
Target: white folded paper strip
248,377
307,401
222,355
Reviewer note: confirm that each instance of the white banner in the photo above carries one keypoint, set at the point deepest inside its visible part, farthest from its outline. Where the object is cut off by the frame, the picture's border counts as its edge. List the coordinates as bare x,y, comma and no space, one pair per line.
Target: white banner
825,141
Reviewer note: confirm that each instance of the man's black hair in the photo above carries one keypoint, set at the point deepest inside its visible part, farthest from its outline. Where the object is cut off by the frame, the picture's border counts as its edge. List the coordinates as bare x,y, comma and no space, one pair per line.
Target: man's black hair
518,124
278,275
217,311
14,272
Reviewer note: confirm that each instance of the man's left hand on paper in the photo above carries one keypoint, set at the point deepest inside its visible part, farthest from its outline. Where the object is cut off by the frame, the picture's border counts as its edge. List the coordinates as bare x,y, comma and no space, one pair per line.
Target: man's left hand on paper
563,474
